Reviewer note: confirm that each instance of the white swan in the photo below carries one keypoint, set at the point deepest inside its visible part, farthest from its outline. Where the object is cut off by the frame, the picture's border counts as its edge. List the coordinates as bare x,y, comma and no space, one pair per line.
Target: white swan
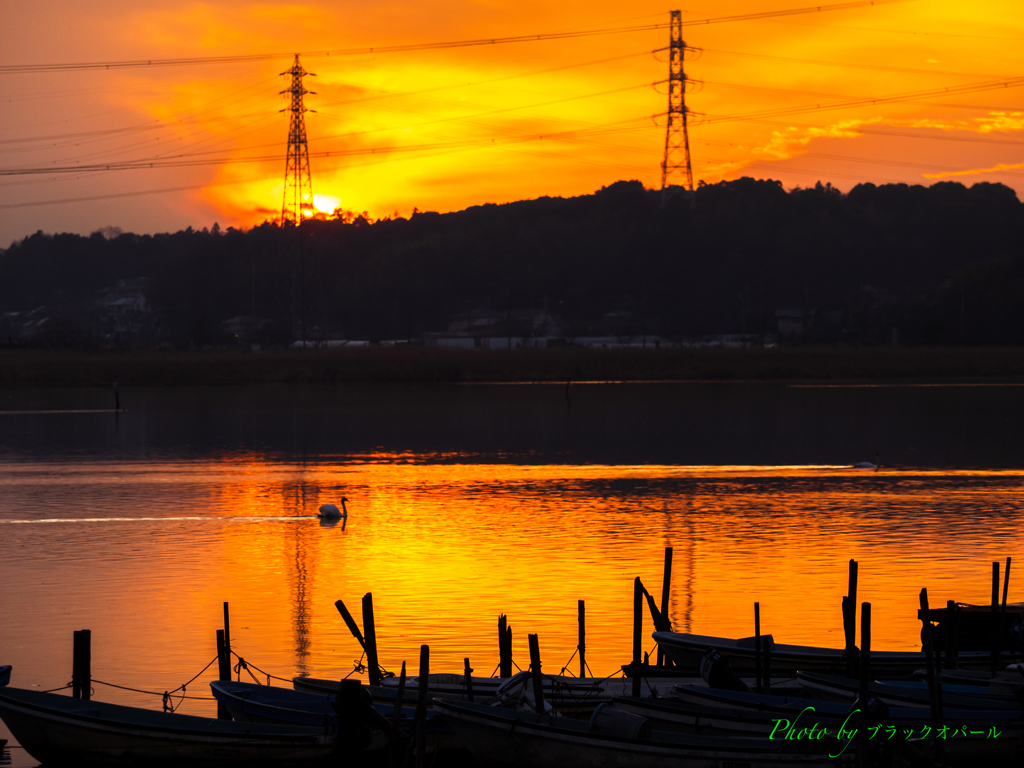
868,465
331,512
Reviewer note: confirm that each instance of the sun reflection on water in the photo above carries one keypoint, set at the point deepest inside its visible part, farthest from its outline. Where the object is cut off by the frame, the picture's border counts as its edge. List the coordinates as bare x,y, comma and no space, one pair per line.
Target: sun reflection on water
446,547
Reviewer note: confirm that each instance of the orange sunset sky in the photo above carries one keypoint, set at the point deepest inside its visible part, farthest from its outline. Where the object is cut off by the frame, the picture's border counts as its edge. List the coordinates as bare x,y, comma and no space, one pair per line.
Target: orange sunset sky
451,128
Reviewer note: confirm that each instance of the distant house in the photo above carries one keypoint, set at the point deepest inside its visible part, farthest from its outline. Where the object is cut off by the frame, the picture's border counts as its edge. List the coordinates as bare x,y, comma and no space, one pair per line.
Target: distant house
484,328
794,324
126,318
824,324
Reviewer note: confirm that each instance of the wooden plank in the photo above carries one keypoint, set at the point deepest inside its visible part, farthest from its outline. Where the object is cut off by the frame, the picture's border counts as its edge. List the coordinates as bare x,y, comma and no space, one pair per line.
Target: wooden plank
350,623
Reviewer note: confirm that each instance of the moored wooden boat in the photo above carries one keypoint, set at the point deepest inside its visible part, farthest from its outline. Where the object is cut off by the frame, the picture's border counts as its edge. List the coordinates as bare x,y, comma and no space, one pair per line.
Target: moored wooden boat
1008,680
753,714
252,703
561,691
687,650
902,693
527,740
58,729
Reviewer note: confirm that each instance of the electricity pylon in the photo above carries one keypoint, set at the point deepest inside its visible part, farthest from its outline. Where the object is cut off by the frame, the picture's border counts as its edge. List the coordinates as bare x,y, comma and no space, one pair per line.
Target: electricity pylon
298,185
676,160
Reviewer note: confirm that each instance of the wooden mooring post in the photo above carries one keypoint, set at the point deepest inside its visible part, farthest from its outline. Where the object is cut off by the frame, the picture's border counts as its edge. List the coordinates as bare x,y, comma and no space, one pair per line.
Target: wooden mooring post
81,664
666,585
864,693
638,628
850,621
224,659
227,631
952,632
538,679
757,647
223,671
421,707
865,654
373,668
504,647
995,616
395,752
581,646
934,678
469,680
1000,622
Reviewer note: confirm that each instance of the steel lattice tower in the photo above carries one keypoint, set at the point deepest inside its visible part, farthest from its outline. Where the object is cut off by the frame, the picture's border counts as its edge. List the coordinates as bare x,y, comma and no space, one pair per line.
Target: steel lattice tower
677,139
298,185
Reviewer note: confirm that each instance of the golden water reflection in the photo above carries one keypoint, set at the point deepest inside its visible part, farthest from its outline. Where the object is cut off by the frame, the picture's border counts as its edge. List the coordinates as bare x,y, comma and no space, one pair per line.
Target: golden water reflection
447,547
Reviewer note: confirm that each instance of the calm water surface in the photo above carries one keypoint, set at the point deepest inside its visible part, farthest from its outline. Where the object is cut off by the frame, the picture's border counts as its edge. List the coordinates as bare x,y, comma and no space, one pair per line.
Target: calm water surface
467,502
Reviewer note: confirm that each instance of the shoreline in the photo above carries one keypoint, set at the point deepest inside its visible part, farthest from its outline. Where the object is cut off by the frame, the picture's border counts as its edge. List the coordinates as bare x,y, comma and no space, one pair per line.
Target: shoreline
848,366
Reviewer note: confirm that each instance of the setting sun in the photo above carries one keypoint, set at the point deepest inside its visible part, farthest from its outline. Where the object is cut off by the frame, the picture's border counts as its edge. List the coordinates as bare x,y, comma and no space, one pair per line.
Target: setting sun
326,203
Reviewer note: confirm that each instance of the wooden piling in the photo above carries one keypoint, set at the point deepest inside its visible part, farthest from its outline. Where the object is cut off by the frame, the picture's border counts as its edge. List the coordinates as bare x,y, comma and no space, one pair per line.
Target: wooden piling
952,628
81,664
934,681
757,647
666,584
638,624
864,693
581,646
223,672
865,655
850,620
394,743
538,680
373,668
421,707
504,647
995,617
227,629
997,661
767,666
469,680
350,623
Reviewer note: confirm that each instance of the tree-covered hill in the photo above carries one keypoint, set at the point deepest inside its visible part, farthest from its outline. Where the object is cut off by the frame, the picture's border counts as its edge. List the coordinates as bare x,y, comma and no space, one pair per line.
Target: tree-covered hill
939,264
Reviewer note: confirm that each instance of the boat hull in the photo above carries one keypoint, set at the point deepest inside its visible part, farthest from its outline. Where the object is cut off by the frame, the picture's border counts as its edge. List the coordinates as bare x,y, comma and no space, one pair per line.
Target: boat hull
688,650
510,738
58,729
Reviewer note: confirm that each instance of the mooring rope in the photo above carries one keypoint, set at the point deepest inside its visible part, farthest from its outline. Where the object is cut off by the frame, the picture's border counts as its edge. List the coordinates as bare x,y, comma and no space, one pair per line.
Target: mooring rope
168,702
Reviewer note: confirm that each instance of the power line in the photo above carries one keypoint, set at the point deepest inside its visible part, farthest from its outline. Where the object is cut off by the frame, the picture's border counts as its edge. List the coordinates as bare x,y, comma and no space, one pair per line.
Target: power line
181,159
14,69
1015,82
844,65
